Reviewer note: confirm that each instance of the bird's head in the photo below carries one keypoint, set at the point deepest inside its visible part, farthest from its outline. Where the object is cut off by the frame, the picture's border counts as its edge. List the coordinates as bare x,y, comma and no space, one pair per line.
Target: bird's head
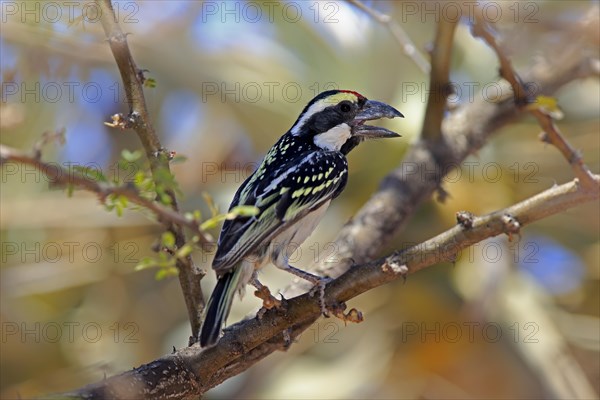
335,120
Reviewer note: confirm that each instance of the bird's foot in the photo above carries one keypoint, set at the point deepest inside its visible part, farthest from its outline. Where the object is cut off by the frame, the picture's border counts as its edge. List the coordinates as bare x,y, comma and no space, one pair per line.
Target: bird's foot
320,287
269,301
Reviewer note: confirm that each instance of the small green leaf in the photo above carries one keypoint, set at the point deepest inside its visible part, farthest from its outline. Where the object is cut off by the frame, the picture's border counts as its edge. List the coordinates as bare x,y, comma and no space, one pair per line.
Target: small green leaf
131,156
212,222
168,240
165,273
145,263
197,215
184,251
150,83
211,203
548,105
123,201
165,199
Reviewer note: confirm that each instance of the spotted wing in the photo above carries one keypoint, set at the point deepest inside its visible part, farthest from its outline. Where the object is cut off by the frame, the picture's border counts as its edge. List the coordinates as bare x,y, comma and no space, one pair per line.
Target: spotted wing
303,184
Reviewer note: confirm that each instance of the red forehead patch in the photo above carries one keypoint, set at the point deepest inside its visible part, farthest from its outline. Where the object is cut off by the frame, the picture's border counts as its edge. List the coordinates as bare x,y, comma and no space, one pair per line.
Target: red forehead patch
360,96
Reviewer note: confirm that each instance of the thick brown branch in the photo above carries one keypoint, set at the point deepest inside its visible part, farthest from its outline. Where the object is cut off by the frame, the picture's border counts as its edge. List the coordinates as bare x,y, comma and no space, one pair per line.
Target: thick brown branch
439,79
192,371
423,168
133,77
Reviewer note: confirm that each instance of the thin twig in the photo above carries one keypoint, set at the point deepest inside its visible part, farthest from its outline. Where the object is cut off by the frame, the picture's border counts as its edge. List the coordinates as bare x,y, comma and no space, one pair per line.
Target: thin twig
61,176
408,46
506,70
140,121
192,371
551,133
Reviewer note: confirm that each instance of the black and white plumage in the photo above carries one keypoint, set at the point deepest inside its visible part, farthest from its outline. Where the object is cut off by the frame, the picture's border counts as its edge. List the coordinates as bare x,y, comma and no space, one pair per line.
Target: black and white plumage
292,188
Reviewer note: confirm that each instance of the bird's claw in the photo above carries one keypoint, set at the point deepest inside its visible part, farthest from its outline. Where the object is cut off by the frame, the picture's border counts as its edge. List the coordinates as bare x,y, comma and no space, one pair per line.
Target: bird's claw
320,286
269,301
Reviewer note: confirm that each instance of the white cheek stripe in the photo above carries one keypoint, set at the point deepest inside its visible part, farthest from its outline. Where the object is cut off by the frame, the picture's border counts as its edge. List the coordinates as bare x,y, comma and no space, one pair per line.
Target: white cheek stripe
315,108
334,138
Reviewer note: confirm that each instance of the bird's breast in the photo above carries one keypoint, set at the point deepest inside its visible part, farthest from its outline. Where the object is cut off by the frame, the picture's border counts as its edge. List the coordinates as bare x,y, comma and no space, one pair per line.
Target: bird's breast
287,241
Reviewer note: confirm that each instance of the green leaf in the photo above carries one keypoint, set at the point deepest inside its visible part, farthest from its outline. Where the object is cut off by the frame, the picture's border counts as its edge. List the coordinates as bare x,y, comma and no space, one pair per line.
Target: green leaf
548,105
167,240
212,222
165,199
165,273
150,82
211,203
184,251
145,263
131,156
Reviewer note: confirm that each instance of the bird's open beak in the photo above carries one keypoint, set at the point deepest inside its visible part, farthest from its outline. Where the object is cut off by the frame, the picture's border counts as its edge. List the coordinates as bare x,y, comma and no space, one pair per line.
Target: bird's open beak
374,110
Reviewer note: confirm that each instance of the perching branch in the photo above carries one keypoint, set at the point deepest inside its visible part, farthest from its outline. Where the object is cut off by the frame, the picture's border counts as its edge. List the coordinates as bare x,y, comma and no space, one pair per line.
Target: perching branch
192,371
139,120
464,131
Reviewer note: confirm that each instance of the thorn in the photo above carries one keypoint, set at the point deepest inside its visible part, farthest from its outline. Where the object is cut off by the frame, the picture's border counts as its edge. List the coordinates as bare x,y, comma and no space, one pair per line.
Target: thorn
464,219
543,136
119,121
511,226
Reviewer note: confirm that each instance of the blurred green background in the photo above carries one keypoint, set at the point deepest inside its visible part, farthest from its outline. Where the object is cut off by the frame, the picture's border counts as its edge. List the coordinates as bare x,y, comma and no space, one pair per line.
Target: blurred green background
508,320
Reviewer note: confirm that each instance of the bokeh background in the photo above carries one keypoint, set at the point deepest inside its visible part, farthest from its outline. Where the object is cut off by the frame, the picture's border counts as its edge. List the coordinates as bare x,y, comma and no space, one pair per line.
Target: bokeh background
508,320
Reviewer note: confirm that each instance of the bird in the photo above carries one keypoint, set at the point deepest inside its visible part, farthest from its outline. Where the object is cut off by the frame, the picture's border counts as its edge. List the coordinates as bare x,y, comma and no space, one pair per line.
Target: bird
291,190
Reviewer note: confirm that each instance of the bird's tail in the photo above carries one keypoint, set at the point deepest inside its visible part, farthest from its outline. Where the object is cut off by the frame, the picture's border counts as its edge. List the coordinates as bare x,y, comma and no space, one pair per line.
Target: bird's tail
218,307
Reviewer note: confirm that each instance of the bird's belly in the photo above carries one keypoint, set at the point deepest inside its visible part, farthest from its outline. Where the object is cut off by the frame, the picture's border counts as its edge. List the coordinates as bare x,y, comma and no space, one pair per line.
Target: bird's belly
281,247
287,241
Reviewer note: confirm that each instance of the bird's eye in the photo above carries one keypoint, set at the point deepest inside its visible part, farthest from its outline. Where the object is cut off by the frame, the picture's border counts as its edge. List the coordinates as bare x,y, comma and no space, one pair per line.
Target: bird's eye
345,107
